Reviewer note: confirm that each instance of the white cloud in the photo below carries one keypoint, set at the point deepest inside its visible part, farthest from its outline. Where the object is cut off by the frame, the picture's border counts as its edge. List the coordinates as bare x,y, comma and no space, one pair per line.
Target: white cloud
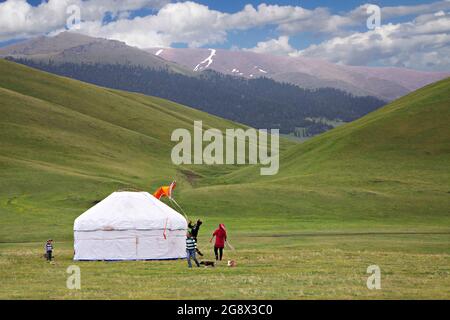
18,19
320,20
279,46
390,12
422,43
186,22
265,14
196,24
193,23
360,13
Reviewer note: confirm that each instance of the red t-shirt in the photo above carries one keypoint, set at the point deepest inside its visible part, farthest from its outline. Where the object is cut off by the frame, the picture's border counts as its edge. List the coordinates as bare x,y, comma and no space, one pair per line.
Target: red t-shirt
221,236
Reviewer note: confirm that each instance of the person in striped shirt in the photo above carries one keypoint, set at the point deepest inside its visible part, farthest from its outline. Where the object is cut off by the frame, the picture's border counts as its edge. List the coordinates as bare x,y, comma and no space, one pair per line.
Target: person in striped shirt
191,245
49,249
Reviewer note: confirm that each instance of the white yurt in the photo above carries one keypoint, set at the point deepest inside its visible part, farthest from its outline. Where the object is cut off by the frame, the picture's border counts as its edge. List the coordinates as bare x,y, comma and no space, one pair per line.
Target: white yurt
130,226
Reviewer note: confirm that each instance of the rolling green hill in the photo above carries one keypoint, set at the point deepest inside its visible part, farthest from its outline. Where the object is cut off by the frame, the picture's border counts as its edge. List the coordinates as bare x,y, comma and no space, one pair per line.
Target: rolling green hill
372,191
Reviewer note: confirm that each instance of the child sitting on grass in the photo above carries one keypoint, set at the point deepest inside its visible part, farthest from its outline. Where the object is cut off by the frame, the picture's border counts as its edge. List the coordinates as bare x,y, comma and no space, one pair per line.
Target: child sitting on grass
191,245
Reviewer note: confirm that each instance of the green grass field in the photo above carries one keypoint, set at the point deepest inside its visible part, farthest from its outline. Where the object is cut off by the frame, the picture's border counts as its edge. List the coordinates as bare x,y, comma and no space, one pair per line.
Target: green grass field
375,191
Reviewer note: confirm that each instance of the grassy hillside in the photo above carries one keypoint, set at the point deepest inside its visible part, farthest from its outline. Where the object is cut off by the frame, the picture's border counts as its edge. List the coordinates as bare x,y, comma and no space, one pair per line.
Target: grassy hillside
375,191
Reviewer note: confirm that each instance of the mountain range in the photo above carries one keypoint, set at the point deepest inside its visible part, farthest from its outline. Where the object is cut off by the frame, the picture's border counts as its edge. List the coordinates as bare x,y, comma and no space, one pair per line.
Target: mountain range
381,82
260,102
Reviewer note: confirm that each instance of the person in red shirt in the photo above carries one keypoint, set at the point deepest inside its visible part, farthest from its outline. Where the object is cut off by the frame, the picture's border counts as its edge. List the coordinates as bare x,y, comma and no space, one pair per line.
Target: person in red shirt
221,237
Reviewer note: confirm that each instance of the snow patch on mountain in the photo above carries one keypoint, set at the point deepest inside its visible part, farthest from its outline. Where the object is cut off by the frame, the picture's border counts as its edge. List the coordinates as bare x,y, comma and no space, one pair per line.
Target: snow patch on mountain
159,52
208,61
261,70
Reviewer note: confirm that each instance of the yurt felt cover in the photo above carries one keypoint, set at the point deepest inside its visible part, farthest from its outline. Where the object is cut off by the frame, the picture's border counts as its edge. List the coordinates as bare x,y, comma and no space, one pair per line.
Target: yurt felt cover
130,226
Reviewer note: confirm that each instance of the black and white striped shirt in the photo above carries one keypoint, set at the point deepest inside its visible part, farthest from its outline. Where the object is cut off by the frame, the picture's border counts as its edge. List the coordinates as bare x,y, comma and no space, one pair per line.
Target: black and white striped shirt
191,244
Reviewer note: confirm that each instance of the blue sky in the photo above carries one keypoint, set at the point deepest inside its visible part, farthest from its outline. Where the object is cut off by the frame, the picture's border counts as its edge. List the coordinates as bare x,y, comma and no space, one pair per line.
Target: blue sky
413,33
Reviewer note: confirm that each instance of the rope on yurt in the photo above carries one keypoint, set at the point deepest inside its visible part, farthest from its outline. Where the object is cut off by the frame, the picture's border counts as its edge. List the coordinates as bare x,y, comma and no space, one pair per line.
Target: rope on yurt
184,213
